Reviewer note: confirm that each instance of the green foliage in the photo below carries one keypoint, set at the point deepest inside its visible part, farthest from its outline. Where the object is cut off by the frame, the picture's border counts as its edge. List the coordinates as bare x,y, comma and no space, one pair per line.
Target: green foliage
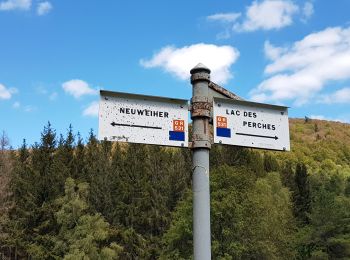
237,156
251,218
301,195
103,200
177,241
270,163
81,235
347,187
330,220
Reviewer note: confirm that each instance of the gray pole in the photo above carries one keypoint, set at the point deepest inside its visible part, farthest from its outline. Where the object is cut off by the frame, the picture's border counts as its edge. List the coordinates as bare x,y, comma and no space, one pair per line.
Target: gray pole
200,114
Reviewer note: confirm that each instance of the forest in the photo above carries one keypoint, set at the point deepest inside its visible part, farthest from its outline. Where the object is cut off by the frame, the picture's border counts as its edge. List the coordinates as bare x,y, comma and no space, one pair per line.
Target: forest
69,197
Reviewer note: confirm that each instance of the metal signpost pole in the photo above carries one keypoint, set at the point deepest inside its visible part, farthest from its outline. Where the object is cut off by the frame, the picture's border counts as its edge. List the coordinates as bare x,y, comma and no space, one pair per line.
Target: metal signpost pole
144,119
200,114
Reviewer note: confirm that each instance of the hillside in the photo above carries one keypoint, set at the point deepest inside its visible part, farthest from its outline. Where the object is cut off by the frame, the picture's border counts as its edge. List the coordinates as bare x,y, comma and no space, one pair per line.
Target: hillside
317,142
61,191
312,130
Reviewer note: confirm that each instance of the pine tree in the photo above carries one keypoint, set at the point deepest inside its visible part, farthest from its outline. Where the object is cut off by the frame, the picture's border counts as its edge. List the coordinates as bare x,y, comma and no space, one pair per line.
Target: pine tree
39,180
302,196
42,162
62,164
67,151
101,180
81,235
329,222
116,185
78,159
178,180
24,191
91,154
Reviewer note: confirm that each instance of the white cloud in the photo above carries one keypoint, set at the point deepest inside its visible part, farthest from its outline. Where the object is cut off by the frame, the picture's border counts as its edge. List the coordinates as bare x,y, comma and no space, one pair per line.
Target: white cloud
301,71
179,61
78,88
340,96
272,52
10,5
44,8
267,15
6,93
224,17
263,15
308,10
92,109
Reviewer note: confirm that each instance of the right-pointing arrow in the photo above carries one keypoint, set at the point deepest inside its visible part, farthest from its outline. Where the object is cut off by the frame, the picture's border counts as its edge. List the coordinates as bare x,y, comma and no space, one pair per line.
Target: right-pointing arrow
261,136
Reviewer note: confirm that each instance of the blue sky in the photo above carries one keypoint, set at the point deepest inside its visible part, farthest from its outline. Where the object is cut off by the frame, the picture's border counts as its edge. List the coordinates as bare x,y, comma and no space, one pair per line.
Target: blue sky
56,55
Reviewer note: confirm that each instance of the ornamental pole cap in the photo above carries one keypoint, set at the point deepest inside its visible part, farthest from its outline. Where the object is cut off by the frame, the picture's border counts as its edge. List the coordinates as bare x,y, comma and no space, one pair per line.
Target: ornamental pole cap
200,67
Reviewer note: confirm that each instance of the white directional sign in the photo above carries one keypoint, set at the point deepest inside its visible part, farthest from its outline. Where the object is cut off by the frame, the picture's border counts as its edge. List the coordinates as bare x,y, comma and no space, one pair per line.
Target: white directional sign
250,124
143,119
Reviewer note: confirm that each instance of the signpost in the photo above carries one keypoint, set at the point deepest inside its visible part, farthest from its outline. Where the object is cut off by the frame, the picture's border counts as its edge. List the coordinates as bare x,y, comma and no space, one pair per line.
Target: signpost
200,114
164,121
143,119
250,124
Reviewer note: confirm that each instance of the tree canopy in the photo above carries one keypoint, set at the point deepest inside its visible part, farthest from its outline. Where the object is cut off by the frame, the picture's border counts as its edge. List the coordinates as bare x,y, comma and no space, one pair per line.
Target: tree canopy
66,198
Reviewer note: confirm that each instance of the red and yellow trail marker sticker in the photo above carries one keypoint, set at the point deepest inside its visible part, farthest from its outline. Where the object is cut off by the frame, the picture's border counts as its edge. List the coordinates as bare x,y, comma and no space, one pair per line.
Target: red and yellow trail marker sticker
179,125
178,133
221,127
221,122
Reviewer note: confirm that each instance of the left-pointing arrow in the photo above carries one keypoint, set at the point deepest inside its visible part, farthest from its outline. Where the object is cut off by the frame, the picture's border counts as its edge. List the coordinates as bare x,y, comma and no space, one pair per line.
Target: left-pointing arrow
140,126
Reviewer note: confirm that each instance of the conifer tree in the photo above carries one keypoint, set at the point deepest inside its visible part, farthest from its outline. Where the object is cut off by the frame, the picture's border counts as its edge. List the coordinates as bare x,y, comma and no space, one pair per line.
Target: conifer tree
100,179
132,195
114,211
329,222
91,155
42,162
62,165
67,150
44,181
302,196
81,235
78,159
178,173
25,196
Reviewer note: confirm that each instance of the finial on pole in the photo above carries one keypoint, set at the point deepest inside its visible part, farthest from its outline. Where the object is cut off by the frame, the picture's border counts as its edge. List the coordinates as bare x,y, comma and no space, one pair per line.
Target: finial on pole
200,72
199,67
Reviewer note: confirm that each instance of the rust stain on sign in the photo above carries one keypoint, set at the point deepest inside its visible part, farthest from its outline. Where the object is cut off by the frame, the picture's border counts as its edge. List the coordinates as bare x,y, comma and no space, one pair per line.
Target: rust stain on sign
223,91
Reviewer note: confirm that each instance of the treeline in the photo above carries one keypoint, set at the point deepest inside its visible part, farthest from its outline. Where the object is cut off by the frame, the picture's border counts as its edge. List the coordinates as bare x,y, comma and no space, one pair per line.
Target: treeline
66,198
98,200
